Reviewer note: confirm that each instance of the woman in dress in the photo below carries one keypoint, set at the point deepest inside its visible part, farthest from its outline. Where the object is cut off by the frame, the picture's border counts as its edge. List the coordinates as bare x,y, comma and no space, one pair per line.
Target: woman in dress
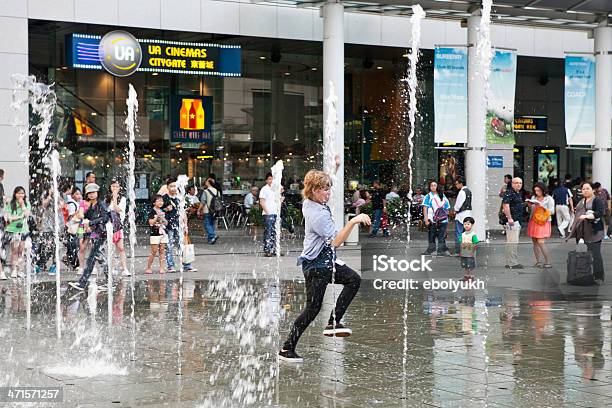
542,207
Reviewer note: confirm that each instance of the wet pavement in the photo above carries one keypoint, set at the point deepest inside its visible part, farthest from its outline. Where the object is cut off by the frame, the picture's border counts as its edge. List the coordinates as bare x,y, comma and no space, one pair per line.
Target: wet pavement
209,338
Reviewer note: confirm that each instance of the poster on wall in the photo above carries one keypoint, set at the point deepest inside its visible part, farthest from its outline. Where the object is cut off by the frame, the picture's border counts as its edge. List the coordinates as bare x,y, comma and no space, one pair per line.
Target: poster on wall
450,94
450,164
192,118
547,165
500,108
580,99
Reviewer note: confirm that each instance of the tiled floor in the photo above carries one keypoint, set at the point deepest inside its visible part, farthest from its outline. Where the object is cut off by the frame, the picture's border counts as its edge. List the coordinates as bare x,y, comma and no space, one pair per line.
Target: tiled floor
214,346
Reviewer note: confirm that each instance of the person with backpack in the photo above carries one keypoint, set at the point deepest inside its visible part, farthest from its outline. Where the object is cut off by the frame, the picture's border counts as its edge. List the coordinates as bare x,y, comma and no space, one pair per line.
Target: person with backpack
463,208
542,207
210,203
588,226
95,221
435,213
564,207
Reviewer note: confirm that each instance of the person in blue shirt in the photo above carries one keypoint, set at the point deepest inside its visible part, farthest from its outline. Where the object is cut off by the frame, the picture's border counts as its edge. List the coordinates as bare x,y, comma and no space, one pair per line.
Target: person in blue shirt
435,214
319,263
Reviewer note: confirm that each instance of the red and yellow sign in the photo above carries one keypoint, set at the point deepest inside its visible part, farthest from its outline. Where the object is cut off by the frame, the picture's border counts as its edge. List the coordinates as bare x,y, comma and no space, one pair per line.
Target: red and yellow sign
82,128
192,114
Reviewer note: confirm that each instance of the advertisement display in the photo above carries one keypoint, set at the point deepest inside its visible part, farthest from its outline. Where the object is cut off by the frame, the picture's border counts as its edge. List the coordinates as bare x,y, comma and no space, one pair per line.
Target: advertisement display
580,100
120,54
191,120
500,109
531,124
450,94
450,166
546,164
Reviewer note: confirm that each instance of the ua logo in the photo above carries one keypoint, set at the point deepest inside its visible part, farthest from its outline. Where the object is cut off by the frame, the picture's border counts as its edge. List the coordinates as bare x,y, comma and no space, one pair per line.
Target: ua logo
124,53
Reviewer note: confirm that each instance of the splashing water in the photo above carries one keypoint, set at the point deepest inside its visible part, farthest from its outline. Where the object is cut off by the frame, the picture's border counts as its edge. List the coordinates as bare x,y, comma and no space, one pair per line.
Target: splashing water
41,98
130,123
277,174
415,21
109,262
181,184
247,366
88,368
329,140
484,55
56,171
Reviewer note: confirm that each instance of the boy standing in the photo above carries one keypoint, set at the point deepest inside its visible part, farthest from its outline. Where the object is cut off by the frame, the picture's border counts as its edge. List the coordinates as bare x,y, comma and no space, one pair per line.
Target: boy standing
469,240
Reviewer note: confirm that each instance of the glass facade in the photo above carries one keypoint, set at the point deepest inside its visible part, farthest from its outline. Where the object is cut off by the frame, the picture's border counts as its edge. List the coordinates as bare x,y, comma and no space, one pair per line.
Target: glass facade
273,111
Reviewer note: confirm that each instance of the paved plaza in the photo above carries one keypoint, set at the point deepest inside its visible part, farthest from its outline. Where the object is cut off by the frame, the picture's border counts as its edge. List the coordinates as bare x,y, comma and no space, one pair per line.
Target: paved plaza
209,338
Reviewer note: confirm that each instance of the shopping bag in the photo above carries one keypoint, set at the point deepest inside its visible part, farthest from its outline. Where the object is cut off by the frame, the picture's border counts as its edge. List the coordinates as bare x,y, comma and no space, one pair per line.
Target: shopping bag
188,251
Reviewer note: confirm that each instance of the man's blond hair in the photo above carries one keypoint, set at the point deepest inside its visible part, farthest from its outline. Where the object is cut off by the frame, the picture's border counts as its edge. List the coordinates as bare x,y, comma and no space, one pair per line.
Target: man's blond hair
314,180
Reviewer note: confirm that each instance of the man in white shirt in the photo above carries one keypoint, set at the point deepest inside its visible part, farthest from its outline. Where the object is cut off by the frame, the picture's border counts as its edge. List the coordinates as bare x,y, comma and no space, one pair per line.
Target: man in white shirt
251,198
270,210
463,208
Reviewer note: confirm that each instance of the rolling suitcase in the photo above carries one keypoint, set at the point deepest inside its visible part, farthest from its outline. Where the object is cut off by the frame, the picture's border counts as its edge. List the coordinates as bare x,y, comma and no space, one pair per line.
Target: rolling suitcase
580,268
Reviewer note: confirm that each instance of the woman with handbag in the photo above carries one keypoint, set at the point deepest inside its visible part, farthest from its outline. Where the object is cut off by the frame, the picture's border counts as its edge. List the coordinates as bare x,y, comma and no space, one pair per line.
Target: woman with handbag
542,207
117,204
588,226
17,213
435,212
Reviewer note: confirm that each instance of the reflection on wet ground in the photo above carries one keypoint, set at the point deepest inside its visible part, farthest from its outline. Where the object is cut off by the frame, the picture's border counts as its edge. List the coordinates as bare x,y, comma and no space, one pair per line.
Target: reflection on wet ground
200,341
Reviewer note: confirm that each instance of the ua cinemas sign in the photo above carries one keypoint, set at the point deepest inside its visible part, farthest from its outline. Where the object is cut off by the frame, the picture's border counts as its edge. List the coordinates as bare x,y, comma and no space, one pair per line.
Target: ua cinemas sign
119,53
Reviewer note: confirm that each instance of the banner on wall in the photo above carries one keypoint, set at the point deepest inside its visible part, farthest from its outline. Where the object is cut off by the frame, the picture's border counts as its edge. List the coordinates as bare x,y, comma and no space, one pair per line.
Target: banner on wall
500,107
450,94
580,99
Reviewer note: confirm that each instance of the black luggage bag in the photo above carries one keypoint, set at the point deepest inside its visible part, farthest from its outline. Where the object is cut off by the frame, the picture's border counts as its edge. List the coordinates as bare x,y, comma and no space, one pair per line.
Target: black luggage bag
580,269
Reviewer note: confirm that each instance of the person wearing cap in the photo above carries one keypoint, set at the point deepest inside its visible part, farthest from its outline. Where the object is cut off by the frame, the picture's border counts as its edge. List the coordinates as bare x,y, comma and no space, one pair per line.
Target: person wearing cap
96,217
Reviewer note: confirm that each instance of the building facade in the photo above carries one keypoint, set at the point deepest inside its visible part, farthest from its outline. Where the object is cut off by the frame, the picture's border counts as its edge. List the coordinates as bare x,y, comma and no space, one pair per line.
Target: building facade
275,109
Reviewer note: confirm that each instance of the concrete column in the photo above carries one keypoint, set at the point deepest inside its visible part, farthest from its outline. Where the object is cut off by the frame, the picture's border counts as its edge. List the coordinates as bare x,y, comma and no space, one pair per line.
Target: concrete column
14,56
602,170
475,160
333,72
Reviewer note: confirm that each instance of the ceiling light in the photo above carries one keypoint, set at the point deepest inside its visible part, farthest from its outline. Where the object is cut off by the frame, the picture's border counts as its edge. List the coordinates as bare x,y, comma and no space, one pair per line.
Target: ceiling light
94,114
379,67
313,68
262,58
287,73
155,74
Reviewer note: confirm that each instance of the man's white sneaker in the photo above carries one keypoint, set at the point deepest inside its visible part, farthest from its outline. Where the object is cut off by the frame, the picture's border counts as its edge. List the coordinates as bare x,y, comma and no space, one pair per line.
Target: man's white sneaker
21,274
14,273
126,273
3,276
